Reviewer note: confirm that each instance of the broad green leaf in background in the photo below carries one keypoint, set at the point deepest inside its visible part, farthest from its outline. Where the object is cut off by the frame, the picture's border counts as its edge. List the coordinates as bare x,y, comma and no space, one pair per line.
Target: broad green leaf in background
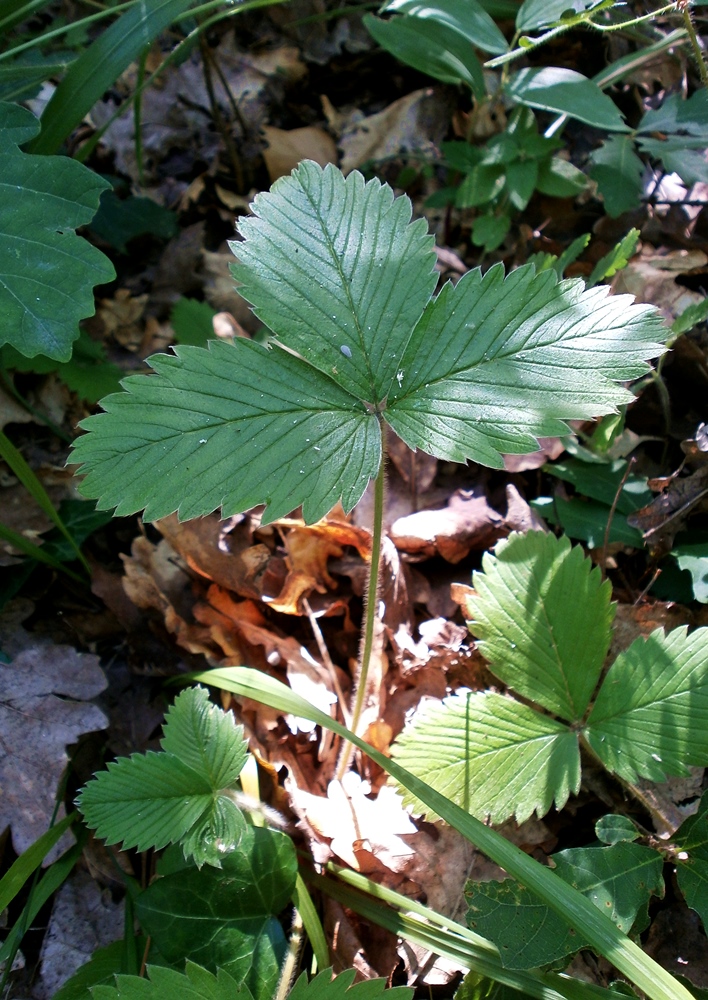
691,553
431,47
618,172
195,983
650,717
179,795
543,617
619,880
119,220
616,829
535,597
553,88
323,987
477,987
492,755
46,270
469,20
337,271
602,481
226,918
87,372
676,115
17,124
586,521
534,14
192,323
691,860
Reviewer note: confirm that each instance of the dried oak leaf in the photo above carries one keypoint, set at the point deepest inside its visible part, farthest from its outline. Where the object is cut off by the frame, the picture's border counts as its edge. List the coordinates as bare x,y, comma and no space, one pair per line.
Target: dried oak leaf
660,520
43,709
468,522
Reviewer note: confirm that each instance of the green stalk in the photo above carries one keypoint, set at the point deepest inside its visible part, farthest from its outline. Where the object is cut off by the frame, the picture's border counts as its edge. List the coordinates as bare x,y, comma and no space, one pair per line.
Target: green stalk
577,911
370,603
697,53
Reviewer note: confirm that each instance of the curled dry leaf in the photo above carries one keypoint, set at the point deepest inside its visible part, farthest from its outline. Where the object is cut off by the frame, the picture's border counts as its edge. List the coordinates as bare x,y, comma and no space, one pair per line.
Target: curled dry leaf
468,522
286,148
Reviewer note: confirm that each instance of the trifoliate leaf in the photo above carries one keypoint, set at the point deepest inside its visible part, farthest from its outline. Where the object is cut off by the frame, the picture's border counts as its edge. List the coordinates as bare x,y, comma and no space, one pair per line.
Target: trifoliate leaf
491,755
195,983
497,362
178,795
526,932
691,861
535,598
226,918
323,987
46,270
337,270
650,717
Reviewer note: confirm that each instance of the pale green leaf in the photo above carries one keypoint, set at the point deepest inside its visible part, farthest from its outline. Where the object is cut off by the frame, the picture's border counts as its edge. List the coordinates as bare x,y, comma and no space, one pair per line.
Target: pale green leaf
615,829
534,14
235,425
226,918
544,617
565,91
205,738
468,19
690,316
691,860
496,362
526,932
195,983
618,172
179,795
46,270
432,48
692,555
615,260
324,987
491,755
335,268
650,717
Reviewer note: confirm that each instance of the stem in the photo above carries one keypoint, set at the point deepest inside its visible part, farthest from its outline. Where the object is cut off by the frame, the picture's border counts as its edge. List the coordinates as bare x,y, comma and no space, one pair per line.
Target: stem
292,957
370,606
695,45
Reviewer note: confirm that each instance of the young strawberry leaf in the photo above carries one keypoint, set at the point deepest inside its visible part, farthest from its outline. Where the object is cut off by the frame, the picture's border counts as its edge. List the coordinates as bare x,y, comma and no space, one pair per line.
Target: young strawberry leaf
180,794
323,987
650,717
498,758
336,269
534,598
491,755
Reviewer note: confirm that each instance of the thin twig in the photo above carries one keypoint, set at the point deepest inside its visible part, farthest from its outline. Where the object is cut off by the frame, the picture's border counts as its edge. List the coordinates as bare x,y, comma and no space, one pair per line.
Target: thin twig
613,508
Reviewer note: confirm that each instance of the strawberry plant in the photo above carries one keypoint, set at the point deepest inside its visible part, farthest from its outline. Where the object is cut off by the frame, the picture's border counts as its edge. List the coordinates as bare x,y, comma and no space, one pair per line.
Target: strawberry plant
344,280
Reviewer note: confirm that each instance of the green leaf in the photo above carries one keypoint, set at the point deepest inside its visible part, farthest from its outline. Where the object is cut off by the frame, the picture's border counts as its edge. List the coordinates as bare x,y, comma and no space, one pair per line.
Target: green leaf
225,918
323,987
677,157
536,596
616,829
691,553
587,521
46,270
180,794
477,987
619,880
481,185
337,271
650,717
234,425
690,317
496,362
526,932
195,984
488,231
192,322
102,968
534,14
17,123
491,755
552,88
335,268
119,220
676,115
433,48
469,20
618,172
603,481
615,260
560,179
691,860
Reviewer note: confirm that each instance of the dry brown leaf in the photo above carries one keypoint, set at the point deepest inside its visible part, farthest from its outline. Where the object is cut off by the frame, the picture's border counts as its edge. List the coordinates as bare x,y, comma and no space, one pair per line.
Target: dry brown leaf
122,317
468,522
651,277
666,515
550,449
286,149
